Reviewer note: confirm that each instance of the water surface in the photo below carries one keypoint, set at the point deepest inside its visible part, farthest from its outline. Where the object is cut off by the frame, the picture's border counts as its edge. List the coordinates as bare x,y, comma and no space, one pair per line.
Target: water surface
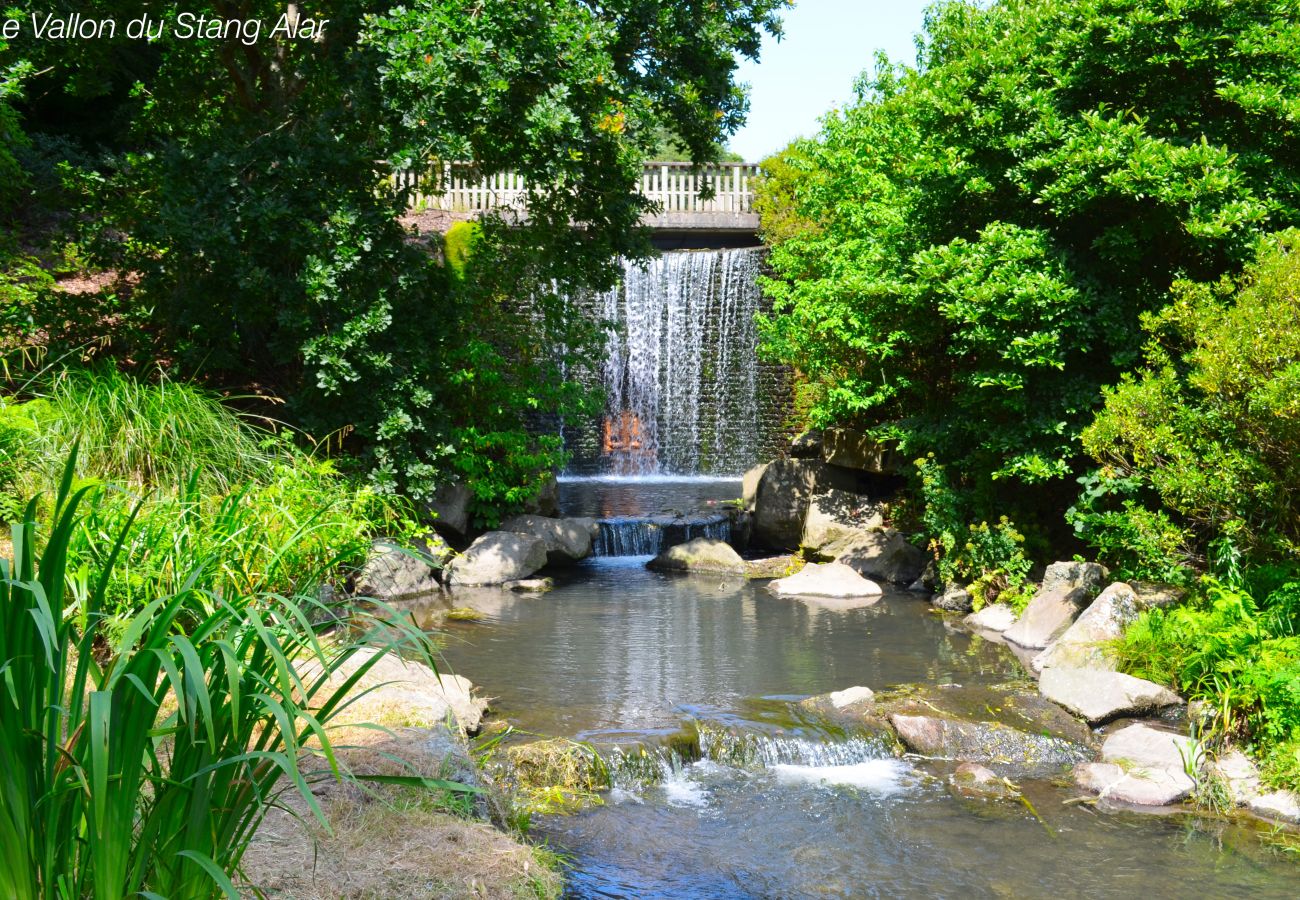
618,654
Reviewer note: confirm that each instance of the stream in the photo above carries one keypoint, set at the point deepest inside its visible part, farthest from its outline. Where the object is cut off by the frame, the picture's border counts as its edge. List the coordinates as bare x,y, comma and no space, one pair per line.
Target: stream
777,806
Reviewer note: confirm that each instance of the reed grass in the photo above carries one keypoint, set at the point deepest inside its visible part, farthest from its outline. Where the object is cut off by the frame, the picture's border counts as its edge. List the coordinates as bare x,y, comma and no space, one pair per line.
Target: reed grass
139,759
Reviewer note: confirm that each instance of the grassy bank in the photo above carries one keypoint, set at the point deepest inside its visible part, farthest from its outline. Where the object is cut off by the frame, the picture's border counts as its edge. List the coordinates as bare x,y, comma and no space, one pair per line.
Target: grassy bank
169,685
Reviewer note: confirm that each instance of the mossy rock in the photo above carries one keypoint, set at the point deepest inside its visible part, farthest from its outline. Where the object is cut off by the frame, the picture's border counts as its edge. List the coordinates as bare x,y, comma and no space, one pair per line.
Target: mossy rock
556,776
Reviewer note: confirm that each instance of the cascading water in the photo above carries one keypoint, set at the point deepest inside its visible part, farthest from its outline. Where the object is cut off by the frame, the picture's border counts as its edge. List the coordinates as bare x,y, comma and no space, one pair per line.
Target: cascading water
685,391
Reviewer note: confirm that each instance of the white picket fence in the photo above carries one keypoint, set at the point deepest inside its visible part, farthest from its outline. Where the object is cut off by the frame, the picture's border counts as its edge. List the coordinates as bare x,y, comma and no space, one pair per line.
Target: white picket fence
675,187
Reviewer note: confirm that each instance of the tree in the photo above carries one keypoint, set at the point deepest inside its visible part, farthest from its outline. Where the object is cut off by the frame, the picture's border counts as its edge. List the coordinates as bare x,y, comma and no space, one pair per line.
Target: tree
992,223
254,205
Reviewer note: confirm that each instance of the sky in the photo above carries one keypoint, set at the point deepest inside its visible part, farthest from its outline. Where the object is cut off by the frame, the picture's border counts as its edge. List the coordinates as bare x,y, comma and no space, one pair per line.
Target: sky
826,45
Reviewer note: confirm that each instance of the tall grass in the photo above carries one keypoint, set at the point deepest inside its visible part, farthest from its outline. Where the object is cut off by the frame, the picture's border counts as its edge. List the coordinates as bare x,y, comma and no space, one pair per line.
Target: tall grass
139,760
152,435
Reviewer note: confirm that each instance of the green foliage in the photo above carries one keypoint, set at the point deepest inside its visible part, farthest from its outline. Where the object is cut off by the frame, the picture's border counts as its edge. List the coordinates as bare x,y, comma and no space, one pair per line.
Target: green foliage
989,560
991,224
149,435
1241,656
1135,541
249,201
196,483
1210,426
782,175
142,759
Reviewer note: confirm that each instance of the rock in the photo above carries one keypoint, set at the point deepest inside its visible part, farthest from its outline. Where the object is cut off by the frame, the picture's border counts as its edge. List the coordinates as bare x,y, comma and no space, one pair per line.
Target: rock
530,585
928,580
700,555
1086,644
883,554
974,780
1012,705
807,445
1152,595
1069,577
749,485
781,499
567,540
1099,695
996,618
498,557
449,507
397,573
850,696
985,742
1144,766
547,501
1142,746
1066,587
398,691
1239,775
1279,806
773,566
826,580
836,515
851,449
1153,787
953,598
974,773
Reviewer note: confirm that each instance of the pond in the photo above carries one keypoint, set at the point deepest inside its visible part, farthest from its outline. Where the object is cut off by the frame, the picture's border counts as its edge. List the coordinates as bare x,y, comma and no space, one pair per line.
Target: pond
620,655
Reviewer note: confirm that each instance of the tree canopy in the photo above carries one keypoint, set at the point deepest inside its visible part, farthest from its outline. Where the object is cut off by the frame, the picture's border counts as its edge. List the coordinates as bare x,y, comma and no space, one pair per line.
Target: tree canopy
245,189
973,241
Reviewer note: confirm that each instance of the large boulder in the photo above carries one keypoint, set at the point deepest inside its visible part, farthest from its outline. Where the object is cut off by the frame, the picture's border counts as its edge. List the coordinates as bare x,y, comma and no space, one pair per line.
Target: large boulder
498,557
567,540
398,573
851,449
1100,695
784,491
1144,766
836,515
883,554
1154,595
1066,588
986,742
700,555
826,580
1088,643
749,485
449,507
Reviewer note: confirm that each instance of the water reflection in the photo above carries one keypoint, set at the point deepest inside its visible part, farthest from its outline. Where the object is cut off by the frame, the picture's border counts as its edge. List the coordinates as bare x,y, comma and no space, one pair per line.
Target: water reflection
617,649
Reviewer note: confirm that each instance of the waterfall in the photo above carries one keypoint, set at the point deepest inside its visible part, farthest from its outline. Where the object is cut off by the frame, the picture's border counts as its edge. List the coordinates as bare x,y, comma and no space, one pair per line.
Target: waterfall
681,375
633,536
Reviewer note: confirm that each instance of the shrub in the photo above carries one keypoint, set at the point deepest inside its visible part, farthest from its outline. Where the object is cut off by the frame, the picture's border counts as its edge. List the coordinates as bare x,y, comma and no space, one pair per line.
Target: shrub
989,560
1210,425
1240,656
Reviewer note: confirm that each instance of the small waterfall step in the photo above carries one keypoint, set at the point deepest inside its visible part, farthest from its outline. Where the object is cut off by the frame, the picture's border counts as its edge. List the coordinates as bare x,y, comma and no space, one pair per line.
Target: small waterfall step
651,535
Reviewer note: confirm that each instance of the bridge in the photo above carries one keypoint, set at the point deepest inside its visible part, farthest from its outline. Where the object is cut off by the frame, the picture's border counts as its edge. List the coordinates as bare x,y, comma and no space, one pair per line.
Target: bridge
681,218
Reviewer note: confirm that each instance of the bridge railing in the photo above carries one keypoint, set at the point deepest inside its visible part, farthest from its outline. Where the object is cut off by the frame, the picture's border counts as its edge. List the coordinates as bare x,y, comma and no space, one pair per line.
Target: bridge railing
675,187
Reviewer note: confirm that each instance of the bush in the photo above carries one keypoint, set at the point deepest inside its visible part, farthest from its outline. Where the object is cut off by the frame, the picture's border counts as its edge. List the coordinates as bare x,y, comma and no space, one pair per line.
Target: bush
1241,657
990,561
1209,427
